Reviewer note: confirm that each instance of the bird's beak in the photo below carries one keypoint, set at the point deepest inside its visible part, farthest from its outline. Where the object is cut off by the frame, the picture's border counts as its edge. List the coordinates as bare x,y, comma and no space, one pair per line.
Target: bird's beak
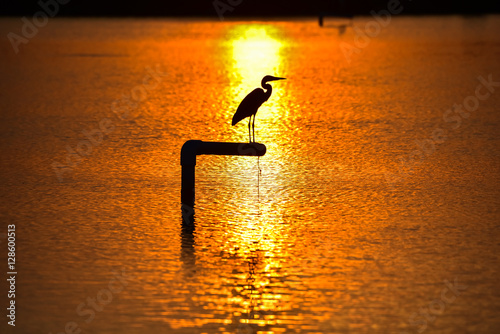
277,78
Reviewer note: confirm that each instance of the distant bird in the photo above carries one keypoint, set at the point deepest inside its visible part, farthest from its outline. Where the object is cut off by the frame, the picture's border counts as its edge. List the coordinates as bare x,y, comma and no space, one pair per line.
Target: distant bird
252,102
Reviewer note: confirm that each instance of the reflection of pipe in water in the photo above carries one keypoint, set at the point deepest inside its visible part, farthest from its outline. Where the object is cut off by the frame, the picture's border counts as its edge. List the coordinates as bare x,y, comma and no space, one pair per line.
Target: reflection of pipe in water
248,327
188,255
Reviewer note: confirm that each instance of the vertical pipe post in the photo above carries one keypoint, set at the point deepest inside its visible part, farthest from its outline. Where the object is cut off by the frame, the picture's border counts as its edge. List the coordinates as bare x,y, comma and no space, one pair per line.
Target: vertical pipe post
188,161
187,192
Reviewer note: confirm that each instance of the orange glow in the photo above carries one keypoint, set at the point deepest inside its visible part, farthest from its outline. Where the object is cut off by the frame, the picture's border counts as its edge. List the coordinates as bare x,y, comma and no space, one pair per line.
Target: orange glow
256,52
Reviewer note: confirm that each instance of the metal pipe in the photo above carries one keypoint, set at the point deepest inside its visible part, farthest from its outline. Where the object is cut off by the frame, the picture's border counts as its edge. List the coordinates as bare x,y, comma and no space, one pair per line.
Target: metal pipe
192,148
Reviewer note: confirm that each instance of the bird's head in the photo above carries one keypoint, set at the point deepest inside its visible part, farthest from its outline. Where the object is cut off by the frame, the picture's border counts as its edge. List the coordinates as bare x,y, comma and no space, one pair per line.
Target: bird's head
268,78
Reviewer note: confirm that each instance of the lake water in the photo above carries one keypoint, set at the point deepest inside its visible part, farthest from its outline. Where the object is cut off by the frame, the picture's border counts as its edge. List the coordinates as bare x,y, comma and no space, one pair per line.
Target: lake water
376,208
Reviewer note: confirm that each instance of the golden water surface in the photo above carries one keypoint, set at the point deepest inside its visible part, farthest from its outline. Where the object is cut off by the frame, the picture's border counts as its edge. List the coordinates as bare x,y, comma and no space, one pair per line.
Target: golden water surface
342,227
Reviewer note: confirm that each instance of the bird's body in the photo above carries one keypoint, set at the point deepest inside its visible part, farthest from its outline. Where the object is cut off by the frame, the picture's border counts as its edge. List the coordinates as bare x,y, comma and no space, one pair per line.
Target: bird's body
252,102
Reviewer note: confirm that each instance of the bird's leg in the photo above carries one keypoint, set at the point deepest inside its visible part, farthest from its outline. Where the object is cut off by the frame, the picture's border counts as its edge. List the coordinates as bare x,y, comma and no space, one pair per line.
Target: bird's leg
253,128
249,121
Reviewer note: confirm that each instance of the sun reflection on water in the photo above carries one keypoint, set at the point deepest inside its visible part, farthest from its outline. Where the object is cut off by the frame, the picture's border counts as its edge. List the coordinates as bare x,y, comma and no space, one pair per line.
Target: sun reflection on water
257,50
251,230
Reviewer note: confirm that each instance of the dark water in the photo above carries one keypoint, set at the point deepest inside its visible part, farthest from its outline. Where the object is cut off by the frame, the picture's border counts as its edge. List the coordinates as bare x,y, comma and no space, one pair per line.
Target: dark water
376,209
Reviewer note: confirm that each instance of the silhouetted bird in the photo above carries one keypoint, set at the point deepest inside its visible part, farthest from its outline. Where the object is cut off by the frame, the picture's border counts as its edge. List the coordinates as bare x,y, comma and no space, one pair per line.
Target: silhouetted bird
251,103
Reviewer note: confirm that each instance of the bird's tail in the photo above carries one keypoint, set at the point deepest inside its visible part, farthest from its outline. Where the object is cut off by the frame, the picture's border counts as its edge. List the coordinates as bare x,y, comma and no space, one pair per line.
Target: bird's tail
234,121
238,116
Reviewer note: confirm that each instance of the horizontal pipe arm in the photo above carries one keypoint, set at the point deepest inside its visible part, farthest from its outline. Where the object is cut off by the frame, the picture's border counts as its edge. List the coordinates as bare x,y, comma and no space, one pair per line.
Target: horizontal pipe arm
192,148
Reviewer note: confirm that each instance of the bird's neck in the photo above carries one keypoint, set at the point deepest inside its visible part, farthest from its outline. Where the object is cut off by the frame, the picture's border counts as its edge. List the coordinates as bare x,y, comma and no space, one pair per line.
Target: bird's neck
269,90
